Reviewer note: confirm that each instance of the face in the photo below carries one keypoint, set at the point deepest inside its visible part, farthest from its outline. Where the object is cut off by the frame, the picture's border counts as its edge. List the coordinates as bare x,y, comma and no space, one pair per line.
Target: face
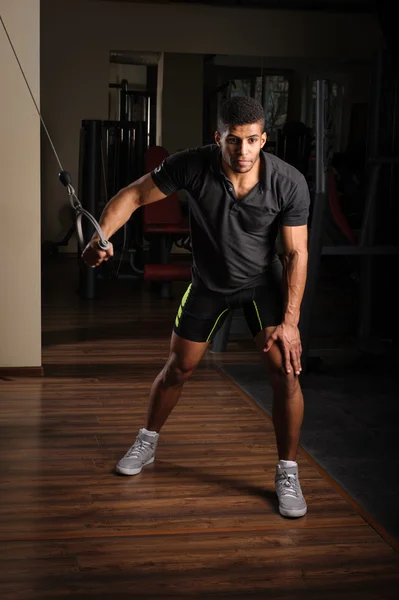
241,145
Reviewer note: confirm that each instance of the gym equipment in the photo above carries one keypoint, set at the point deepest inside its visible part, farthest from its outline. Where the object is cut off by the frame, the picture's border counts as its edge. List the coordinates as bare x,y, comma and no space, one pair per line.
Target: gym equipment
324,198
167,273
64,177
164,224
80,212
111,156
365,247
293,145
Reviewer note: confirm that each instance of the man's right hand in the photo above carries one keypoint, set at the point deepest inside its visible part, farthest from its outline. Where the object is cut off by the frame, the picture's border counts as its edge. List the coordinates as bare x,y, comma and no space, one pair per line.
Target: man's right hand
93,256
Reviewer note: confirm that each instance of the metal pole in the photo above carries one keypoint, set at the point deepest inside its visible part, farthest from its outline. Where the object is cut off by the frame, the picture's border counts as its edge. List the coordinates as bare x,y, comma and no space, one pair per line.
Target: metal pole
140,147
316,228
367,264
91,181
123,102
374,116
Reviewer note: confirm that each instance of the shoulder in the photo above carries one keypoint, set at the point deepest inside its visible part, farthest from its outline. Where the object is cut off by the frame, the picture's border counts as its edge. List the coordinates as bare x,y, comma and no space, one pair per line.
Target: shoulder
182,169
200,156
281,173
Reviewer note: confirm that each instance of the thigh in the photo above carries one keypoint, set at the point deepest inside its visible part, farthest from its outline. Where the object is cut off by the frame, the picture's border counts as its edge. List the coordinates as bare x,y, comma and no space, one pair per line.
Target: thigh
186,354
273,359
264,308
200,315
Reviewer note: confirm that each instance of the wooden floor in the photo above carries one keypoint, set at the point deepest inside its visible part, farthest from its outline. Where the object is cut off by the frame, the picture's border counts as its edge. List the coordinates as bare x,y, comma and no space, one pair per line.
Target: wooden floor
202,521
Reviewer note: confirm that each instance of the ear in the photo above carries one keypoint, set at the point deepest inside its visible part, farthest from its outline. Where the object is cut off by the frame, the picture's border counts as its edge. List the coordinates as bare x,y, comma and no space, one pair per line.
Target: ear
217,138
263,139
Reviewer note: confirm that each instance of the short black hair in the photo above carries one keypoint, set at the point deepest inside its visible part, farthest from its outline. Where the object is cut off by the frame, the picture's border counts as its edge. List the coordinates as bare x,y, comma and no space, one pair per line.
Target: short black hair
241,110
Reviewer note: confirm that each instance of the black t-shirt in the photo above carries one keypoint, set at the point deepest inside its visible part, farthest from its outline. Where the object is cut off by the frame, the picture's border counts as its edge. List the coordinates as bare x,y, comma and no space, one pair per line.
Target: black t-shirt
233,241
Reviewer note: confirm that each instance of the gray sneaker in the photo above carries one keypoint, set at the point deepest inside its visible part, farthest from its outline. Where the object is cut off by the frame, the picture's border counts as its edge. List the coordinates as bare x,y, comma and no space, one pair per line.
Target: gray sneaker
289,493
139,455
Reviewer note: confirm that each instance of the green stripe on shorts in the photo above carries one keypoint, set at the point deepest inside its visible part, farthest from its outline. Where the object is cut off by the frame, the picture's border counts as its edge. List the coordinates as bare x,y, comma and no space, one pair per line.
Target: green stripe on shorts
257,313
216,322
184,300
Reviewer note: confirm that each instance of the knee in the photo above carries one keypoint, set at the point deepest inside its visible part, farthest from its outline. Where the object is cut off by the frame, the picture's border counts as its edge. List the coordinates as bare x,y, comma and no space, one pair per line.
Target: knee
176,373
283,382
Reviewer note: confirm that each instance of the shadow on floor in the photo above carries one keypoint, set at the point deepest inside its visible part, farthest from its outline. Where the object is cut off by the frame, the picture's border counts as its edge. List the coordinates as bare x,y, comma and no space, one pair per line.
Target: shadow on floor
350,425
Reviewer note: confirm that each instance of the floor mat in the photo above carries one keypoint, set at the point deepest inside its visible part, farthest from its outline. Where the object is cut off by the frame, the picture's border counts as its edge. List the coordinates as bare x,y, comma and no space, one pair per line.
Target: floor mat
350,425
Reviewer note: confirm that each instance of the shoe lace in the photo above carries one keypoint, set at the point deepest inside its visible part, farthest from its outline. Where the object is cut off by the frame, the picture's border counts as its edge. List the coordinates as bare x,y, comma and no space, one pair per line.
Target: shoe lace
138,448
288,484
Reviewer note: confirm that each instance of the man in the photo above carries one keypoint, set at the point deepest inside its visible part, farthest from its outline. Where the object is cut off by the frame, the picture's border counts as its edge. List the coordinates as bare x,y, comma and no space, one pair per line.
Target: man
239,198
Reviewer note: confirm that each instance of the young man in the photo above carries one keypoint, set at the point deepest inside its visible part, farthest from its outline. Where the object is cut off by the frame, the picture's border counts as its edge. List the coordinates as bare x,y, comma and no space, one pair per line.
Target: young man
239,198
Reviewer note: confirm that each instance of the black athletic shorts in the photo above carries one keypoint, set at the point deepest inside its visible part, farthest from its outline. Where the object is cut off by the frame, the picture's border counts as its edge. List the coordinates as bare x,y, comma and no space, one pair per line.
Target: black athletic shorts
202,312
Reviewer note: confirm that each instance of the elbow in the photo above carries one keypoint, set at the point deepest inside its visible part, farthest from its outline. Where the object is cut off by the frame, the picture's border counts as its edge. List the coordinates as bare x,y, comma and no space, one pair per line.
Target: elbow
295,259
296,255
132,197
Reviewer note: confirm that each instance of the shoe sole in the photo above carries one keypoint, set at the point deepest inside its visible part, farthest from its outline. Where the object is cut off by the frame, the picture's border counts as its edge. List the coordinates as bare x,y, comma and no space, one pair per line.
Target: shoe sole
293,513
124,471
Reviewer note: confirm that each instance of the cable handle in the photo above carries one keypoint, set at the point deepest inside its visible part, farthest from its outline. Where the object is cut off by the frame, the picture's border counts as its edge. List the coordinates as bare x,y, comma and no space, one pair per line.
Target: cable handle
66,180
64,176
103,244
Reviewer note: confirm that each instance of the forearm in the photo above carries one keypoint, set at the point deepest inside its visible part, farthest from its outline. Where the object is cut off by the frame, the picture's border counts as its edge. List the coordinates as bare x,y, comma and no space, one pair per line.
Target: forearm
118,211
294,280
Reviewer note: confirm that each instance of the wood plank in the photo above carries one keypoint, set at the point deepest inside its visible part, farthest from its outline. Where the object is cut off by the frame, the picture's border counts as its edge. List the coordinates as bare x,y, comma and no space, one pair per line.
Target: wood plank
202,521
295,563
11,372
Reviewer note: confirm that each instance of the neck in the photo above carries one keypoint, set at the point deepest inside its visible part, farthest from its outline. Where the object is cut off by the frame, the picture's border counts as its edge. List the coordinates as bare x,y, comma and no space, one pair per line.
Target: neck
243,179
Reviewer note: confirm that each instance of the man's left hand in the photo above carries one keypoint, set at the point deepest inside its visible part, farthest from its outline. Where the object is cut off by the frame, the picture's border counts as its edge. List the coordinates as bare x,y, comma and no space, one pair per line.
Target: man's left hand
288,338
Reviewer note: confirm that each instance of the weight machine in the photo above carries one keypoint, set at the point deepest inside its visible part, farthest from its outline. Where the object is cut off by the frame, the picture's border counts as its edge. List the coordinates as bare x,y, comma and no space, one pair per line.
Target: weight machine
376,239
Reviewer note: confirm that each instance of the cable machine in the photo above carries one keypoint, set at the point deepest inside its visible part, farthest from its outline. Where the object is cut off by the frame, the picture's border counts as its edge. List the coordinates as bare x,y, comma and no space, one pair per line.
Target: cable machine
377,243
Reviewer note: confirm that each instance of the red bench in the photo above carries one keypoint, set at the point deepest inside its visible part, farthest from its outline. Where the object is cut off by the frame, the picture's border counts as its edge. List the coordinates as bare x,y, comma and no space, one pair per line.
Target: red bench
164,224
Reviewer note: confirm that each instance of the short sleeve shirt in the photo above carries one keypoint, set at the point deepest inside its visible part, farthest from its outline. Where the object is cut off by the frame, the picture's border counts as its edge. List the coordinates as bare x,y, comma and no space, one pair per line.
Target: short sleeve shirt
233,240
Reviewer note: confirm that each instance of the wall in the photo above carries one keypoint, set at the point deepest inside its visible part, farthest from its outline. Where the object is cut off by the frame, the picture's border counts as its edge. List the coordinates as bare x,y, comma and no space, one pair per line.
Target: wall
182,98
77,37
20,312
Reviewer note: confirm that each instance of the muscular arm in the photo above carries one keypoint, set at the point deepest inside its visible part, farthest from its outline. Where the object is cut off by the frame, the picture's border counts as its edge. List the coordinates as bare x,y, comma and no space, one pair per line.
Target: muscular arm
121,207
117,212
295,258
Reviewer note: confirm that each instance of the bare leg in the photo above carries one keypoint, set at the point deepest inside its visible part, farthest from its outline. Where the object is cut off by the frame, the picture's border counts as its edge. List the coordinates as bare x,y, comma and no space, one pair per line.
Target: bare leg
165,391
287,400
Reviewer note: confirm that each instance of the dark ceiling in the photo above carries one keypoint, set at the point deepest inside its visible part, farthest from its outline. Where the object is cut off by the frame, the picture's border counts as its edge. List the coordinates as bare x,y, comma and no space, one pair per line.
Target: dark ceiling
382,9
355,6
335,5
